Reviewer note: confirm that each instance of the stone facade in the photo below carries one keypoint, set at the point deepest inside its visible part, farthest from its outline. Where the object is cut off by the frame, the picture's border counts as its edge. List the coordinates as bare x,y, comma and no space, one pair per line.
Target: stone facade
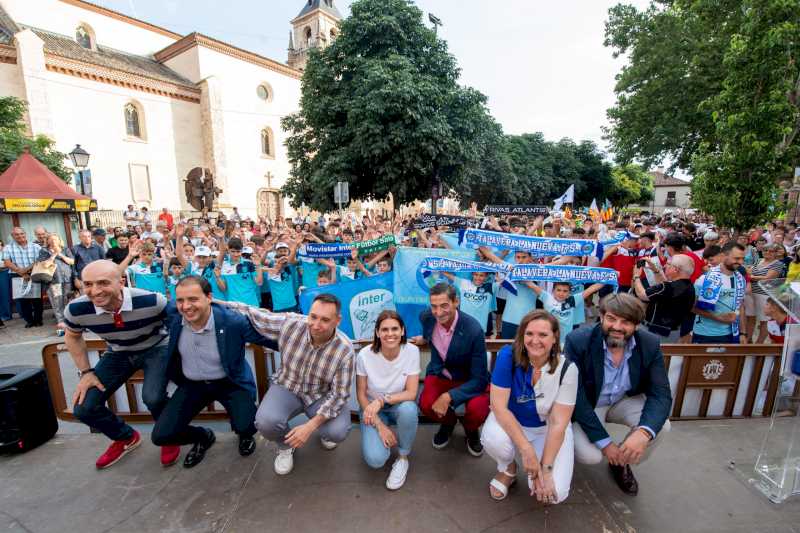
199,102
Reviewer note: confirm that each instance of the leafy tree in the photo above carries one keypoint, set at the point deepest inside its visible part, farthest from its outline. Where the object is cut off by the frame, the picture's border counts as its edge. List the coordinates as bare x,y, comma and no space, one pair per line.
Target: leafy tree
381,109
632,185
714,86
13,140
756,118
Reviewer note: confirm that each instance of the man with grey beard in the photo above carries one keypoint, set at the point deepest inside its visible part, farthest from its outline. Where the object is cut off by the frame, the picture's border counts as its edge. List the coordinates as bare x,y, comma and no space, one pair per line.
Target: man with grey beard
622,381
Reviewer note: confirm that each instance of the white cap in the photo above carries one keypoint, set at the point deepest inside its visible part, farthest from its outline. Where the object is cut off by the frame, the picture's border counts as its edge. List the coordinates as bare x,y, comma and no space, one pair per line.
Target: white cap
203,251
247,250
215,253
281,245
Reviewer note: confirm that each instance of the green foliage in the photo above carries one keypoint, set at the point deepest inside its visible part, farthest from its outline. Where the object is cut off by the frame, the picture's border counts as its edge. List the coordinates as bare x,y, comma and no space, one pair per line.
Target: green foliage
381,109
756,117
632,185
714,86
13,140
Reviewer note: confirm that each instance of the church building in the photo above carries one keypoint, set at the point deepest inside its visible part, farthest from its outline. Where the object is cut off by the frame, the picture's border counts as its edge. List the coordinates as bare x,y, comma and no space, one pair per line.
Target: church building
149,104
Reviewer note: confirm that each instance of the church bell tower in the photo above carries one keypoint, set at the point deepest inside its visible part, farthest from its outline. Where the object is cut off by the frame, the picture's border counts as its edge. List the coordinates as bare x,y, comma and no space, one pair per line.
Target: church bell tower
316,26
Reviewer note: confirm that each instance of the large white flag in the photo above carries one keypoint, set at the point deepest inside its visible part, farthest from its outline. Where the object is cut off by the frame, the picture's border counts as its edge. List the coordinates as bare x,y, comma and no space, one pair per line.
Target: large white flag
567,198
593,210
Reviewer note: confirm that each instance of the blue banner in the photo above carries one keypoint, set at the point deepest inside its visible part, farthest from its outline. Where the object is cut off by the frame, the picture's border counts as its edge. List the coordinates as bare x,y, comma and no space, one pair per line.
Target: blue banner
362,302
411,288
443,264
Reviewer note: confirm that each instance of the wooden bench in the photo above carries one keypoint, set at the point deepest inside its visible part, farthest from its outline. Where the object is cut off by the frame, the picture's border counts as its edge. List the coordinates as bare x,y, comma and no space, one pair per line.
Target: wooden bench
724,380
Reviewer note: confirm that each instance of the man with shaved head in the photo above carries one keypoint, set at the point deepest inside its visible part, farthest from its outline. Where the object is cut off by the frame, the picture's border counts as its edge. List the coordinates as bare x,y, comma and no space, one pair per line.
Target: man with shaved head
671,299
132,322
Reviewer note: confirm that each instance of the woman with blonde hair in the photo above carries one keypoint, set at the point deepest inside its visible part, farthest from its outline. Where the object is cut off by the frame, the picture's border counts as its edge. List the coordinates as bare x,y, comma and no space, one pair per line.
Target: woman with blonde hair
59,290
532,397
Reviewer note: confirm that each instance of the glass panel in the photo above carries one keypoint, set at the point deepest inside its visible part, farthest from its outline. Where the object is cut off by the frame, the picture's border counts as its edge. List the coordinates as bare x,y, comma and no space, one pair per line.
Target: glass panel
132,121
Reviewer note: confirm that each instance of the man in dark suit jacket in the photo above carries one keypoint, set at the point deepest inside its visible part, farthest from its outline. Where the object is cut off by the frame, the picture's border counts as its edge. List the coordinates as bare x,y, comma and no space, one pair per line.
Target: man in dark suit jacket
457,374
207,362
622,381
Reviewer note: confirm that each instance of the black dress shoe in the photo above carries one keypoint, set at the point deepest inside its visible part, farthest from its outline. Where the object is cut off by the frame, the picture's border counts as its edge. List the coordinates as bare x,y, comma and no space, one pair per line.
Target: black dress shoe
29,325
623,475
247,445
198,451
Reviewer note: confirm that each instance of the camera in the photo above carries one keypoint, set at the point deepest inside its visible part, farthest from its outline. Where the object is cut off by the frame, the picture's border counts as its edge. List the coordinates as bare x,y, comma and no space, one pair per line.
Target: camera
640,263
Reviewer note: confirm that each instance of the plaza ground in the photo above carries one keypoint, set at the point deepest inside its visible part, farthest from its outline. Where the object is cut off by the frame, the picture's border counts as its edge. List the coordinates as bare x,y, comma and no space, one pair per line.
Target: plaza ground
686,487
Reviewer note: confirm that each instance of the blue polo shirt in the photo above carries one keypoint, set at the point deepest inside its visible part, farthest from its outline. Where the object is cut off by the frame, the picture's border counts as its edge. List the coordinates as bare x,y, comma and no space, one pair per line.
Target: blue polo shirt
241,281
522,401
148,277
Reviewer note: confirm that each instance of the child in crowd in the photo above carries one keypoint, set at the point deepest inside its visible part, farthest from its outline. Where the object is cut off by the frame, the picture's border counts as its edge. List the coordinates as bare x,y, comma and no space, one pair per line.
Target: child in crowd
283,279
568,308
147,273
205,267
476,297
173,275
242,277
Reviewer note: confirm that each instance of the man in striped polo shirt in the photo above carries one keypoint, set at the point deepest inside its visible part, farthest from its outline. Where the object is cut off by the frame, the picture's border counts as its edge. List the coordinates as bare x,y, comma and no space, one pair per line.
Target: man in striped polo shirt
131,321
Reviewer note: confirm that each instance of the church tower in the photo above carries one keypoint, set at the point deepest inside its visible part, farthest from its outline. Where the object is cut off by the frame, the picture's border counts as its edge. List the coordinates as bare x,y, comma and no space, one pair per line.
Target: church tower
316,26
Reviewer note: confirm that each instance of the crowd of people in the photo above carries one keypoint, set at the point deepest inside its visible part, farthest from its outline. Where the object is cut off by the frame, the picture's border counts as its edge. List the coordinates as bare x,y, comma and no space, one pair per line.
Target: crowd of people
663,260
181,298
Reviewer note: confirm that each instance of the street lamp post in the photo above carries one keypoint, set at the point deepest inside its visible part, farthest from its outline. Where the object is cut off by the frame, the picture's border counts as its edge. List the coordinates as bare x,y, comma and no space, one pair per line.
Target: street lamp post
80,160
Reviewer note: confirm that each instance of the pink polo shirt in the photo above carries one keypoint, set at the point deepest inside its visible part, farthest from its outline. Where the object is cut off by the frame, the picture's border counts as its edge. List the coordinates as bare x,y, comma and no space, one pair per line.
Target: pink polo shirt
441,339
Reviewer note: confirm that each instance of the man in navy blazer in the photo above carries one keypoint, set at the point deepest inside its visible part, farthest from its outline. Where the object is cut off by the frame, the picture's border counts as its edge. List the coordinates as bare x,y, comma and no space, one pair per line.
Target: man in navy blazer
207,362
457,374
622,381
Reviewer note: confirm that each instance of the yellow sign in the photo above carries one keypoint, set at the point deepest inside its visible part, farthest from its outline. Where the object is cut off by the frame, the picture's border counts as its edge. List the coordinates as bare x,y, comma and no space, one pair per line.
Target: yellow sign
27,205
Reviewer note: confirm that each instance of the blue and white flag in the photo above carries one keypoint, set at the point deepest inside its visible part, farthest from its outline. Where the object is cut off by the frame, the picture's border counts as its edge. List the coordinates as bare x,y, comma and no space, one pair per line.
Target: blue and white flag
567,198
564,273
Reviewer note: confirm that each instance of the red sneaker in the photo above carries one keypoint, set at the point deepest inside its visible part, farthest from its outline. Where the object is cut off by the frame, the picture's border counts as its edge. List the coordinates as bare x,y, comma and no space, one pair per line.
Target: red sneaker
169,455
118,450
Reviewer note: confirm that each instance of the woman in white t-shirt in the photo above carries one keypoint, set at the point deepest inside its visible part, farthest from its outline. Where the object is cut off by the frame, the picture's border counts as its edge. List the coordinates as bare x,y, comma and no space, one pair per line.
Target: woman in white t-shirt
532,397
387,379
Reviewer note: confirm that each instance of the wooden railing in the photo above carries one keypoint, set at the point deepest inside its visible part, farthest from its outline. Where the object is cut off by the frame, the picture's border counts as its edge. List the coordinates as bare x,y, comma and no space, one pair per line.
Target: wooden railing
721,381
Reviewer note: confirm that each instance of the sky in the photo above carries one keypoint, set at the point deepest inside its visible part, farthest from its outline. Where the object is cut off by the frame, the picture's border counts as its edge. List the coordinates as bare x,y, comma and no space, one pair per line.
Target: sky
541,63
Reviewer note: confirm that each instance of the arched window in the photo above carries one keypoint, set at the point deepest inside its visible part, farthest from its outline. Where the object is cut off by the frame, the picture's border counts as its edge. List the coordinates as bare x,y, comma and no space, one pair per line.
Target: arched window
84,36
264,92
133,121
308,38
267,143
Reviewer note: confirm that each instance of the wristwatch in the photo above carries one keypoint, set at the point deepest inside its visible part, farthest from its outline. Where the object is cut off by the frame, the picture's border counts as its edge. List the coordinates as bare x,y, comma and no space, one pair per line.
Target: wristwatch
82,373
547,468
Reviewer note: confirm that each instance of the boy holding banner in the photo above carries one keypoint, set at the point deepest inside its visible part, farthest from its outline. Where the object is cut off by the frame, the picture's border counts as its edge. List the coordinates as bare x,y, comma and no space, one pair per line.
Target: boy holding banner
566,307
519,301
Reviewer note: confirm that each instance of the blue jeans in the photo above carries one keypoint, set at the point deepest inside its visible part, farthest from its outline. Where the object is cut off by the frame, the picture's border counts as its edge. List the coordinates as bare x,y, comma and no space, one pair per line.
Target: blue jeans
404,415
113,370
707,339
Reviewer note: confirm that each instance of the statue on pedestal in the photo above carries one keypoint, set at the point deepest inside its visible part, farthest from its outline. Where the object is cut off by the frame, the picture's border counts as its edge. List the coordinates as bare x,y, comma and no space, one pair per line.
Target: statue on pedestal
200,189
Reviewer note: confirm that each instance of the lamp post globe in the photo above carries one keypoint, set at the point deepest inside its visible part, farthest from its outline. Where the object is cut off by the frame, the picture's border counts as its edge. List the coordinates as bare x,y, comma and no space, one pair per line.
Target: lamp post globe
80,160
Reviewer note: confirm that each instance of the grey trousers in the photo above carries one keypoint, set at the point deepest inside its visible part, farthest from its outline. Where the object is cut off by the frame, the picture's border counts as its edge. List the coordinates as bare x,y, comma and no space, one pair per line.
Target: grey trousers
281,405
626,412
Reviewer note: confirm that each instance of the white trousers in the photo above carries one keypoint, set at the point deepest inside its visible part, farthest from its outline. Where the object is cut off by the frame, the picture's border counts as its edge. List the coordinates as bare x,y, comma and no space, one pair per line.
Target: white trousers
626,412
501,448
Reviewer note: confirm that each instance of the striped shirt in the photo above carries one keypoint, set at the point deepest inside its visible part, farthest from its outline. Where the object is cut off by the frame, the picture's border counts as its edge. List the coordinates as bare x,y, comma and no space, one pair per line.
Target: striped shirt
310,372
143,314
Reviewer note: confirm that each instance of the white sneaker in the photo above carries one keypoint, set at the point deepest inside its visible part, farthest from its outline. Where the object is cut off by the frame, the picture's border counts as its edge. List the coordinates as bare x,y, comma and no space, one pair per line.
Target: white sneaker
328,444
284,461
397,477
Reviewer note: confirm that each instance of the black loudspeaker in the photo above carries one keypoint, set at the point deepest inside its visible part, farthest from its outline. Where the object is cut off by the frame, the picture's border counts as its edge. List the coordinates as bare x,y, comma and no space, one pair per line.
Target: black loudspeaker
27,417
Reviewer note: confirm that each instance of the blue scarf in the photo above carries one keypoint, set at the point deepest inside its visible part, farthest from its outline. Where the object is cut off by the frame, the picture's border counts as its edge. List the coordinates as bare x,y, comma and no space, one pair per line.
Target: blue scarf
564,273
540,246
711,289
441,264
